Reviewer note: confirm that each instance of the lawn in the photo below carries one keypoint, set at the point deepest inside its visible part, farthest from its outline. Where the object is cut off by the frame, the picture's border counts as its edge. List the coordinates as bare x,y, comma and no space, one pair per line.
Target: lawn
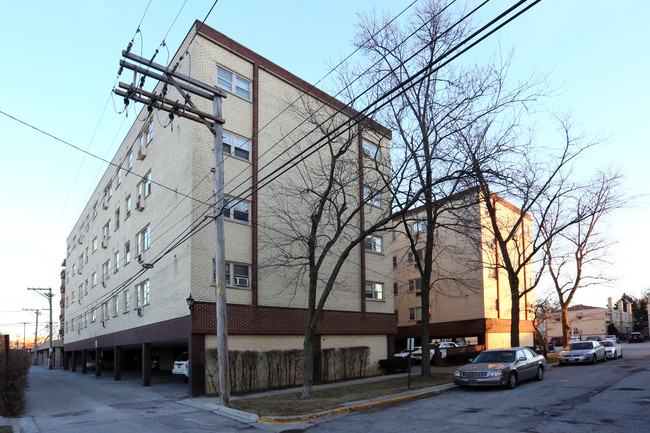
331,398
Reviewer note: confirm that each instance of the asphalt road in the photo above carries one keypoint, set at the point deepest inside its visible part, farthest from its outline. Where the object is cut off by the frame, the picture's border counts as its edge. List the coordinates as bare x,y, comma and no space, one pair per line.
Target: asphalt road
608,397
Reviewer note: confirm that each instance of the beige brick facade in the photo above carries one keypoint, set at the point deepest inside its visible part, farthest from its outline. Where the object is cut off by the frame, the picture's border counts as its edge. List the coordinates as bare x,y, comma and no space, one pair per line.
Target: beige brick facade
169,185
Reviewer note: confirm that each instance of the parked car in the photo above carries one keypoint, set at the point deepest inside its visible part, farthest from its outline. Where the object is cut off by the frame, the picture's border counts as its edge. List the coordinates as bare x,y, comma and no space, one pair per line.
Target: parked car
583,351
593,338
557,341
403,354
182,366
612,338
635,337
417,354
612,349
501,367
574,339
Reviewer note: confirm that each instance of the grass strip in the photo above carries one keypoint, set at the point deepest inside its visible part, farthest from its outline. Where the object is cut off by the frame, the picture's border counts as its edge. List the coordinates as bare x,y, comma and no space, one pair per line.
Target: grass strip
331,398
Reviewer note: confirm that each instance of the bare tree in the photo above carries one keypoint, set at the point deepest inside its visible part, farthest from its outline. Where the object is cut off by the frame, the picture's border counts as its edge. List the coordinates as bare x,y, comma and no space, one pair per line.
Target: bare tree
323,213
576,254
428,118
508,164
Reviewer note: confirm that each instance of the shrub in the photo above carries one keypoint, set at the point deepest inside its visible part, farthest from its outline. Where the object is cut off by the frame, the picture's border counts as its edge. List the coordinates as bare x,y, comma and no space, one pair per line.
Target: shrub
14,370
393,365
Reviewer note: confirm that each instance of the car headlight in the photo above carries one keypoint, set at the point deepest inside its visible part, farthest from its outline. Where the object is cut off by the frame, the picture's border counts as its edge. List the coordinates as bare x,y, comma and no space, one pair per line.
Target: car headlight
457,373
494,373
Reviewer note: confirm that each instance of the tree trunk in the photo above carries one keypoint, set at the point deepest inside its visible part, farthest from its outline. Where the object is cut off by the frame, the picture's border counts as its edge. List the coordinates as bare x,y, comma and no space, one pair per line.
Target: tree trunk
565,324
513,280
308,364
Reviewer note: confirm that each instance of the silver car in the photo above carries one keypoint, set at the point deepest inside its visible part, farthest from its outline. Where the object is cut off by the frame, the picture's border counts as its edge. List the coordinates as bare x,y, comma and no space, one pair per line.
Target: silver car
501,367
583,351
612,349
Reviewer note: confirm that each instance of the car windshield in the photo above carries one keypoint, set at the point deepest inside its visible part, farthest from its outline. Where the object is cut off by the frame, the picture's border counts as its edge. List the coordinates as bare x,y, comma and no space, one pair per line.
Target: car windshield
581,346
607,343
182,357
498,356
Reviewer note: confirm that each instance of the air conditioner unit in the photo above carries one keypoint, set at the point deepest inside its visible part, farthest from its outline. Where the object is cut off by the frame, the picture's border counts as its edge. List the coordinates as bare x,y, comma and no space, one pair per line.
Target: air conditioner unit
142,153
104,283
105,204
104,244
139,205
241,281
139,311
140,259
81,240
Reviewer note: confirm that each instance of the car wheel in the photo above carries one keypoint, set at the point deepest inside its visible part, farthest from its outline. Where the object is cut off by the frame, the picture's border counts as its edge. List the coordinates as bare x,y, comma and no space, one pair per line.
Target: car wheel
540,373
512,381
594,359
621,353
605,357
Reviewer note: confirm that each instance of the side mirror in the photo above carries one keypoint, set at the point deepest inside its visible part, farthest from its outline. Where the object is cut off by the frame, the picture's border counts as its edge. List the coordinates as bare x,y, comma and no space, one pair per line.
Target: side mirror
470,360
521,358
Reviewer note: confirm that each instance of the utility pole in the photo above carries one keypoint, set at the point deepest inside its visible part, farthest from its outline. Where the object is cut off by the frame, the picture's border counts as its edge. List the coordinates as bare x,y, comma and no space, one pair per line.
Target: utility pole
24,332
37,312
214,122
49,296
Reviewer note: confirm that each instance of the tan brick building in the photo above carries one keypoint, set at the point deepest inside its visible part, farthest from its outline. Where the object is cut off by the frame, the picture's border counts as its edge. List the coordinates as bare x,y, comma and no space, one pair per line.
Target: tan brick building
470,298
126,288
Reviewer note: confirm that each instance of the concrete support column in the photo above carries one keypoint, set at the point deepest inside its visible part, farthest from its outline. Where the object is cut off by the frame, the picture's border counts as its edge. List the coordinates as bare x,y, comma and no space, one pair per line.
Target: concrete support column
98,362
196,346
117,363
66,360
146,364
74,361
84,357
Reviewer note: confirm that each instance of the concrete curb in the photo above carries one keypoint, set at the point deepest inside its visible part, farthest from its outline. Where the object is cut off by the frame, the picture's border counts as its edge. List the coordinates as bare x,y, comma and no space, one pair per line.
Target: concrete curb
354,408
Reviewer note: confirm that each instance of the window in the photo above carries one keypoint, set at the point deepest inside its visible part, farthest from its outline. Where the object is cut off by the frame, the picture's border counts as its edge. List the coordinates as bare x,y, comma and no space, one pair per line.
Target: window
234,145
394,235
233,83
95,209
106,270
119,176
371,150
415,285
127,252
417,228
72,297
493,273
372,196
117,219
94,279
128,207
395,288
127,301
106,231
142,240
110,190
526,230
94,244
150,131
394,262
130,159
117,261
415,313
373,244
410,259
86,256
142,294
235,209
105,311
374,291
116,306
93,315
237,275
147,184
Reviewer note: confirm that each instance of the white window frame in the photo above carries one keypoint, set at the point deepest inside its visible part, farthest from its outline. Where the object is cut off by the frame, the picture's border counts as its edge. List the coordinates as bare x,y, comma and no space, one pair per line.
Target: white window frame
373,244
237,206
234,83
374,291
372,196
370,149
236,146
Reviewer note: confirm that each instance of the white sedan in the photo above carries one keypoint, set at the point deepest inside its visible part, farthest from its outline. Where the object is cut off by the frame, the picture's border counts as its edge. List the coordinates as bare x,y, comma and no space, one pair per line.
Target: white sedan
613,349
417,353
583,351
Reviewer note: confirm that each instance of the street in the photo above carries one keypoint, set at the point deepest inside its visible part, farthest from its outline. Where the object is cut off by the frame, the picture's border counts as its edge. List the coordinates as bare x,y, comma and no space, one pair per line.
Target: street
612,397
608,397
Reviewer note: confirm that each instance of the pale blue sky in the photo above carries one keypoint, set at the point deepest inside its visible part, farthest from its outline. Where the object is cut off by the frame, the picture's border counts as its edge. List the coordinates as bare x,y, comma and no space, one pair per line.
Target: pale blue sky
60,59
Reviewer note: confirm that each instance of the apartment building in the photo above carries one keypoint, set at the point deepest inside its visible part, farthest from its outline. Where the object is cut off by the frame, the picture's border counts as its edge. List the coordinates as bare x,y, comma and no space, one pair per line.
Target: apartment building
586,321
144,244
470,297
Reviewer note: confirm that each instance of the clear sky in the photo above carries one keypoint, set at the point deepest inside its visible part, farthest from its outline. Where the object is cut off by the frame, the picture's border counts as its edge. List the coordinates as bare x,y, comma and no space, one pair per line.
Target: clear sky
60,61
